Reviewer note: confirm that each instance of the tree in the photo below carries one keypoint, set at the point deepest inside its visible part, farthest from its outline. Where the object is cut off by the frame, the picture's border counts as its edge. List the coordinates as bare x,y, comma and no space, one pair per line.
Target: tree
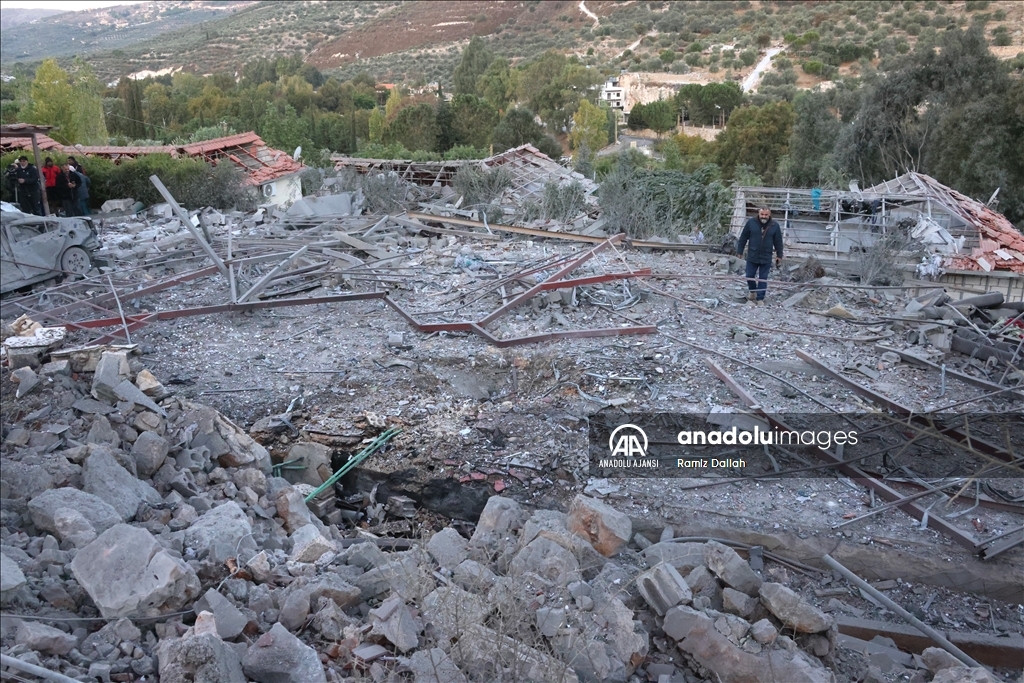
282,128
392,105
498,84
415,128
815,130
473,120
376,126
297,91
134,124
758,136
588,127
661,116
517,128
475,60
70,101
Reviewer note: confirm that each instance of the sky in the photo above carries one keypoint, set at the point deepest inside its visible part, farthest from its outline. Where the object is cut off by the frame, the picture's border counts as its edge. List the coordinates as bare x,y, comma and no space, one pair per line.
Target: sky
66,5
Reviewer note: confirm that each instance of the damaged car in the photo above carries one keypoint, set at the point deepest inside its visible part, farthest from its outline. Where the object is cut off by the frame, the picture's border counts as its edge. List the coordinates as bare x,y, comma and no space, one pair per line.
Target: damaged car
37,248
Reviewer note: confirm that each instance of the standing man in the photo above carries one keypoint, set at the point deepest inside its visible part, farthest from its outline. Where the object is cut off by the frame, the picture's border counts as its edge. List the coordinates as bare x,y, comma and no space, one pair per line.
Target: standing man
50,173
27,176
83,182
763,234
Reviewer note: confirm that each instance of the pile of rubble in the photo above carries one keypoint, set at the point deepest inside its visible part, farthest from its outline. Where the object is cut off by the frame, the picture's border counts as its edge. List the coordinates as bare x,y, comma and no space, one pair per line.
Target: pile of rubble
160,521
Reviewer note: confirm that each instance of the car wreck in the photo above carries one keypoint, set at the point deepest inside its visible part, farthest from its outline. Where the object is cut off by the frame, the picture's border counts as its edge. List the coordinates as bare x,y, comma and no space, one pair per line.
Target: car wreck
37,248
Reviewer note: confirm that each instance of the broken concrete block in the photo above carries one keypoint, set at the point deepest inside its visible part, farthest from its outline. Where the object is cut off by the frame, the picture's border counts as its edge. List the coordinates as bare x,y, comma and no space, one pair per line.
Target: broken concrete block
663,588
395,622
683,556
696,635
435,666
45,507
735,602
11,577
198,657
451,609
549,620
279,657
55,368
308,544
402,577
71,525
26,379
291,508
31,357
500,515
294,611
104,477
764,632
149,452
547,559
603,526
448,548
230,621
731,568
221,532
102,433
792,610
479,648
937,659
965,675
110,371
112,205
315,458
43,638
127,572
126,391
473,576
149,384
553,525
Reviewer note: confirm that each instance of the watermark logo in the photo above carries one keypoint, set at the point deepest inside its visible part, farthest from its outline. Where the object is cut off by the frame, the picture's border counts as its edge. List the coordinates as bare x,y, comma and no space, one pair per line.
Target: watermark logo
625,441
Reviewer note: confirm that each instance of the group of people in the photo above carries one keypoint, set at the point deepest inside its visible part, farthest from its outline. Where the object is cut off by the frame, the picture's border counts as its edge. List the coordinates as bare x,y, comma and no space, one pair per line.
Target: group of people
66,187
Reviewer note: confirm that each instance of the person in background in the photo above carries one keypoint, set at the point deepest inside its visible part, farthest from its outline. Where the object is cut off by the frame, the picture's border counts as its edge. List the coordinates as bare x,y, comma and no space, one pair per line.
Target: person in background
84,182
50,172
28,186
69,195
763,235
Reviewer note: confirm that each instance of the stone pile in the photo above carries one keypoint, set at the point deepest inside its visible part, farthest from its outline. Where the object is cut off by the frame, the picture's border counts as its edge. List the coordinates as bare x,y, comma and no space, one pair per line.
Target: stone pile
161,519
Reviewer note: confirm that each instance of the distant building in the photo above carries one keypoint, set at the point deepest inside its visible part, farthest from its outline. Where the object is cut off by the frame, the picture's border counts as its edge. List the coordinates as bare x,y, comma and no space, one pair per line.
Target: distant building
612,94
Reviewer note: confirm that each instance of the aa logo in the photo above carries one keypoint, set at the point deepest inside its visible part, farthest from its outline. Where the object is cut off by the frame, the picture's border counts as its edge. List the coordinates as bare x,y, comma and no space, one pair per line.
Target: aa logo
628,441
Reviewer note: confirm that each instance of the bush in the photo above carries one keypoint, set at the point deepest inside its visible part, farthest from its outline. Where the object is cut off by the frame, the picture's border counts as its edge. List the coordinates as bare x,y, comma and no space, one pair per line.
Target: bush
193,183
563,202
813,67
479,186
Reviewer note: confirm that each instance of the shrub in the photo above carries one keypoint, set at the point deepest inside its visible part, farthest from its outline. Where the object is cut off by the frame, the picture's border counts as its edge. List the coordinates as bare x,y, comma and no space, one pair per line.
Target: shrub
563,202
813,67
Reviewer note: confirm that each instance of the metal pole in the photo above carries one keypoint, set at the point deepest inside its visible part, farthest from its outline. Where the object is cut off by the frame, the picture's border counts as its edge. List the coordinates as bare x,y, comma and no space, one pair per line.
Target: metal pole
42,178
911,619
187,221
39,671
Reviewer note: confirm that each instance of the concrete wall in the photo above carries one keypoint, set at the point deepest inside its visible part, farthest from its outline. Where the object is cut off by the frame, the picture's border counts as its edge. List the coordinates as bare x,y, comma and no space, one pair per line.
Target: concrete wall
284,190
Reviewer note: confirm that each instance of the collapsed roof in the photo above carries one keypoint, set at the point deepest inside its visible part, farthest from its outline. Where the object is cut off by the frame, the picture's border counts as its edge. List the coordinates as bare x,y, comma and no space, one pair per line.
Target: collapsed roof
261,163
1000,245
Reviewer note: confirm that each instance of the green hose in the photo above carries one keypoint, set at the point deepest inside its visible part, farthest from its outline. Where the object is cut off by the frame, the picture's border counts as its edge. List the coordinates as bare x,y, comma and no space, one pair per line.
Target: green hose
372,448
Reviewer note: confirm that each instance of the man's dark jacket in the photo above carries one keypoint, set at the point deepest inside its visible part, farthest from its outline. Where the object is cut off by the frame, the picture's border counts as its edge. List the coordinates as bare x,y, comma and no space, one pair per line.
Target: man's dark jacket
31,176
760,246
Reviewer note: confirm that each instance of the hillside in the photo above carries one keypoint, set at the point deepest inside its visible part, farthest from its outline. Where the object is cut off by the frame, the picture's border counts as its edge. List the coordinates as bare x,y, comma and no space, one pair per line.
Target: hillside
109,29
17,16
421,41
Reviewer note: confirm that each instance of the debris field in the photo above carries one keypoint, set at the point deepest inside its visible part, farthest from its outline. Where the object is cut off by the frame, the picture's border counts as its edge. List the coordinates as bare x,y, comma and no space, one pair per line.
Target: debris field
338,444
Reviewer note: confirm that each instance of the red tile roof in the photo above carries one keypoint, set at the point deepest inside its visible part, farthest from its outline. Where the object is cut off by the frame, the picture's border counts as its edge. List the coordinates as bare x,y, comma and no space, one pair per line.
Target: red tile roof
1001,246
261,163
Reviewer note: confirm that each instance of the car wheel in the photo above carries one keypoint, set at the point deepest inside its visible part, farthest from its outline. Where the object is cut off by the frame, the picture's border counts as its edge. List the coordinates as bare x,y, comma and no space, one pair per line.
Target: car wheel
75,260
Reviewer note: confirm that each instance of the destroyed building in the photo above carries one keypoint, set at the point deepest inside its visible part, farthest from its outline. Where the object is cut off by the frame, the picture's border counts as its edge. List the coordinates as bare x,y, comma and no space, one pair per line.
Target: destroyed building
967,243
272,172
342,443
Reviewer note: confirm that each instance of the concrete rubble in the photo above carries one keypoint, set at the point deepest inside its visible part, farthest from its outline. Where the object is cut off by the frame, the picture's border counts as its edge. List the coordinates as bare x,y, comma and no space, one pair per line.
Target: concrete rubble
158,487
